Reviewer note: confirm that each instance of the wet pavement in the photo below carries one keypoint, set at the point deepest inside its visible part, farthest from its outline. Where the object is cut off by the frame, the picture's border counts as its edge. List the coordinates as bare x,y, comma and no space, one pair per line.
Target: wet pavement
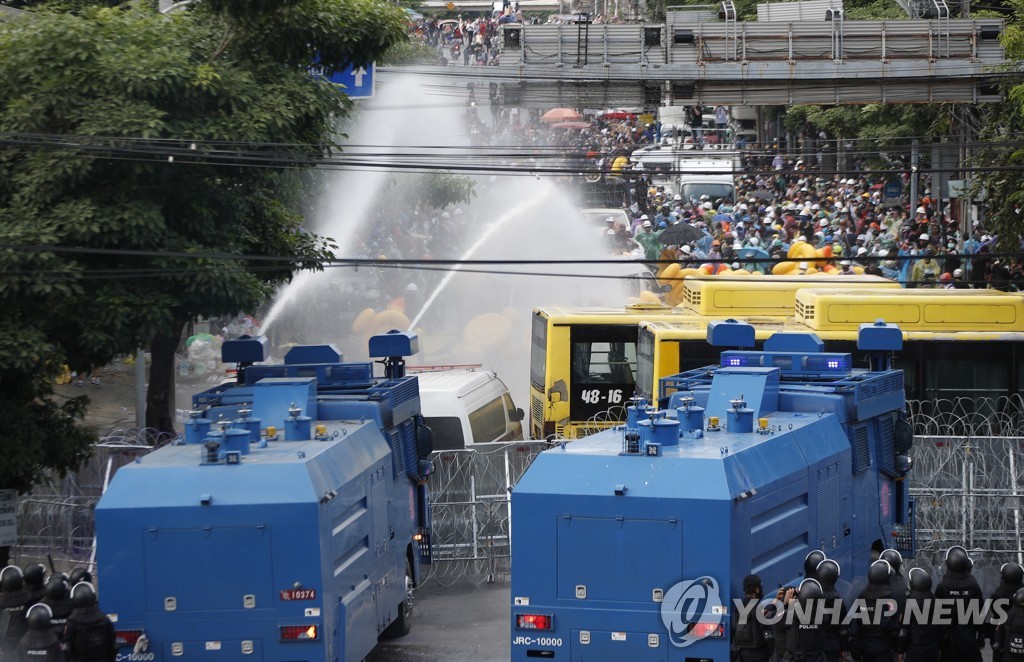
465,622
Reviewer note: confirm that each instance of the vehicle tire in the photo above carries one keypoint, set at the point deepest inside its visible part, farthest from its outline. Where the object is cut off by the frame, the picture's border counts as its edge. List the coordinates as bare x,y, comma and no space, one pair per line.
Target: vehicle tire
403,623
592,177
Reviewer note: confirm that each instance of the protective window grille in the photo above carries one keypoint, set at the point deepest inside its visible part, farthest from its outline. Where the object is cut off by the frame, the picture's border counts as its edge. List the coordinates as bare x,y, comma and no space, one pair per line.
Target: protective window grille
397,456
830,528
861,449
378,497
886,445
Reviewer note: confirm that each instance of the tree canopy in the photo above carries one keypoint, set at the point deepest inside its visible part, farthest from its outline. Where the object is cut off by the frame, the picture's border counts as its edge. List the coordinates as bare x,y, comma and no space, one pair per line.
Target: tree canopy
149,174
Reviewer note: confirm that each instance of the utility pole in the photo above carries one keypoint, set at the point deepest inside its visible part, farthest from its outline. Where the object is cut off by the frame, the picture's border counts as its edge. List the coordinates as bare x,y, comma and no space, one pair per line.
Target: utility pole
913,177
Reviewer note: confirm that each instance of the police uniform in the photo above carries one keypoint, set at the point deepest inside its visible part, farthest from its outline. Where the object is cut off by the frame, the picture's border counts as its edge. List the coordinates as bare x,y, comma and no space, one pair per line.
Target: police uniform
89,636
13,600
40,644
961,640
919,639
1011,579
874,636
835,629
806,636
750,641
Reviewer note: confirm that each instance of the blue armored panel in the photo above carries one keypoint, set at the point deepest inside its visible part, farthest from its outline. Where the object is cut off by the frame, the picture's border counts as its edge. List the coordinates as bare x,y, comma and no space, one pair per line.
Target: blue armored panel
879,337
306,354
730,333
244,350
394,343
794,342
759,387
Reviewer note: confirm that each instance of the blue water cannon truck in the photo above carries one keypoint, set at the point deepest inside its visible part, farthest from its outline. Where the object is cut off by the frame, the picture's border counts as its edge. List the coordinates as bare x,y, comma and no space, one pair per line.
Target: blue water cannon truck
631,544
289,523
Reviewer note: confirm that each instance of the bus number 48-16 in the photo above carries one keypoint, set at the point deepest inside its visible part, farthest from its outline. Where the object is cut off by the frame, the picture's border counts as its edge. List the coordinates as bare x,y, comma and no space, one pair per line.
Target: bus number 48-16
593,396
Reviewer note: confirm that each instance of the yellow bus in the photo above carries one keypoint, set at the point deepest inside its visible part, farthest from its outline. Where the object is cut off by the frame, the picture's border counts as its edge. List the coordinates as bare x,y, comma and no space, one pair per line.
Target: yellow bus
583,360
918,309
747,296
973,347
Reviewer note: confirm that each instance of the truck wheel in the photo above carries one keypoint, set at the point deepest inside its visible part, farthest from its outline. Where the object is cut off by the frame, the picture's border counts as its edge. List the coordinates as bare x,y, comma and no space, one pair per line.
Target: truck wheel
403,623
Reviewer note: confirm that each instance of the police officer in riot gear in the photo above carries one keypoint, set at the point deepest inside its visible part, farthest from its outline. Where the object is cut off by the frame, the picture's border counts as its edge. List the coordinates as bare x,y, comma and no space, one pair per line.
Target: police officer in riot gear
35,582
90,634
897,582
834,614
806,634
40,644
12,609
874,635
750,641
1011,579
1008,641
961,640
58,599
919,638
811,562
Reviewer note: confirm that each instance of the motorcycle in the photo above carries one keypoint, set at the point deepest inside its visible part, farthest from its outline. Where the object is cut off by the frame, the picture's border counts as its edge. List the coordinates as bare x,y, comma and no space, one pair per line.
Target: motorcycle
455,50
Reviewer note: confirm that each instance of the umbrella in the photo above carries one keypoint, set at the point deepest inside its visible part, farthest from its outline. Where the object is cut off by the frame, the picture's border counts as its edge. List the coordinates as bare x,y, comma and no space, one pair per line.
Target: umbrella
679,234
612,114
570,125
727,218
561,115
754,253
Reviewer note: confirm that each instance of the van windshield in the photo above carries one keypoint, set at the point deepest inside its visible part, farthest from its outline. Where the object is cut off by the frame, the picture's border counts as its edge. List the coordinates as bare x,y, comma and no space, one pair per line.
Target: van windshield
714,190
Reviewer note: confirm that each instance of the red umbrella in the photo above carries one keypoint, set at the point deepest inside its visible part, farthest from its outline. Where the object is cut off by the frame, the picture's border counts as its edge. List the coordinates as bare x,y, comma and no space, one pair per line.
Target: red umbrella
561,115
570,125
616,115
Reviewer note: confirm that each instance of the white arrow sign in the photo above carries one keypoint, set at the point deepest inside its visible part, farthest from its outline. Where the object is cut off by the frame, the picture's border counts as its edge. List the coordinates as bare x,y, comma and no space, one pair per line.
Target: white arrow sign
359,73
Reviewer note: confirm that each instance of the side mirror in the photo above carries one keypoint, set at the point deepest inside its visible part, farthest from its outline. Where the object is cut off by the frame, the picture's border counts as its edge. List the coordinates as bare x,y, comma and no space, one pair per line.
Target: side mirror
424,441
517,415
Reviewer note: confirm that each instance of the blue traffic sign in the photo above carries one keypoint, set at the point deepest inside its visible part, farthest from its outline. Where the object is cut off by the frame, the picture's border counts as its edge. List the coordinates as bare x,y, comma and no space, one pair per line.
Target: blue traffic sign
893,188
358,82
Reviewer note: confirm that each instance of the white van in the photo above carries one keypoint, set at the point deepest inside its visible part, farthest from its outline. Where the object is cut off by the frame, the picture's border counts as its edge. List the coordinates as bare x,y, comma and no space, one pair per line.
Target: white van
467,407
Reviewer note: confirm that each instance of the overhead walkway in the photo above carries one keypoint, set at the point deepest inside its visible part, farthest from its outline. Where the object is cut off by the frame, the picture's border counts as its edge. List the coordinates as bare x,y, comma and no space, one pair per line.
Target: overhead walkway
804,52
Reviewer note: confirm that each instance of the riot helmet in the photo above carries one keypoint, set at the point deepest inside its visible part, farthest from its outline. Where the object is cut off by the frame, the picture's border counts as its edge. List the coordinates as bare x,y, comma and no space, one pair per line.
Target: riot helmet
957,560
39,616
878,573
828,572
83,594
11,579
35,575
1012,574
57,588
894,558
811,562
79,575
920,580
809,589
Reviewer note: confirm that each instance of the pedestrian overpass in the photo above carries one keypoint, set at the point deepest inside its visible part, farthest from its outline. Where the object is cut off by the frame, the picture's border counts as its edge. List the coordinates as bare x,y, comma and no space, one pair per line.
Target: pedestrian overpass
800,52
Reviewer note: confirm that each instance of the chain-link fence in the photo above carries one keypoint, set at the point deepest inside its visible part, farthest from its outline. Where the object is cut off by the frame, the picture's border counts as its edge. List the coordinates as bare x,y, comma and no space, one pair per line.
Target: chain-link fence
967,480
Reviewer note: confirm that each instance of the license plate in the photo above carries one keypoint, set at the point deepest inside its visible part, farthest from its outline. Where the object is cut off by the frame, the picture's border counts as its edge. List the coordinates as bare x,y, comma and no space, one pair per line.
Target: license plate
299,594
